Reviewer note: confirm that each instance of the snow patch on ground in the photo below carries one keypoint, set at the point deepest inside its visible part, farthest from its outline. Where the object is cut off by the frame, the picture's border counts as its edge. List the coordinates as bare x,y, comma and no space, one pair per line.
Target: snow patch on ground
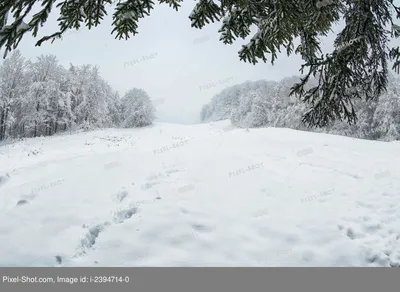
202,195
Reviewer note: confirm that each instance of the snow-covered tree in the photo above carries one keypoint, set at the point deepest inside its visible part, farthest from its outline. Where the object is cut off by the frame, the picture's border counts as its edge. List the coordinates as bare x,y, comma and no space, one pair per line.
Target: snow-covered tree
114,108
222,104
44,95
13,82
94,109
387,113
229,99
265,103
42,98
137,109
357,68
240,115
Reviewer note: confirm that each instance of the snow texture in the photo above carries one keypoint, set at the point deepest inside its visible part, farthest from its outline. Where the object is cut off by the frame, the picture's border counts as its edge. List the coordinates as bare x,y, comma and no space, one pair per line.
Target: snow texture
228,197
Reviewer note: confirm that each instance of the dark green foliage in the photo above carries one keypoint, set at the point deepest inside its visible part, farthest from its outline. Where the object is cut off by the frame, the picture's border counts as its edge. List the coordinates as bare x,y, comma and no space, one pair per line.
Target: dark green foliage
356,69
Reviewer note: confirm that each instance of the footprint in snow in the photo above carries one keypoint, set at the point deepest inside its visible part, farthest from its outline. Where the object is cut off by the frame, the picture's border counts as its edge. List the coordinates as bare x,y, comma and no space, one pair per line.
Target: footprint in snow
120,196
90,238
200,228
352,234
149,185
172,171
122,215
25,199
4,178
22,202
155,176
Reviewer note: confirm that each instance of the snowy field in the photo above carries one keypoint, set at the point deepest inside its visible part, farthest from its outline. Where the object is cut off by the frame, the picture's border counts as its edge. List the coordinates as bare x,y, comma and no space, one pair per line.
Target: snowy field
202,195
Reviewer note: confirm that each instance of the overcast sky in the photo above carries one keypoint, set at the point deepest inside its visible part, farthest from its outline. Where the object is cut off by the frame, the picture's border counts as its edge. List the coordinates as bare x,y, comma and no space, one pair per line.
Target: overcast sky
182,62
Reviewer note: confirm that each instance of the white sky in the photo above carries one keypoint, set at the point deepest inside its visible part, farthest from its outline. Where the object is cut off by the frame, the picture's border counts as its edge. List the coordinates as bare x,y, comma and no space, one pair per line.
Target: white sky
185,60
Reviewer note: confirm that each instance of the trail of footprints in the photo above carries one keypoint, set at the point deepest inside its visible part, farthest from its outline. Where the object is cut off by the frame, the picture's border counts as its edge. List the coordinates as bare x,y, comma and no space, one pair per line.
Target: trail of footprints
119,216
88,242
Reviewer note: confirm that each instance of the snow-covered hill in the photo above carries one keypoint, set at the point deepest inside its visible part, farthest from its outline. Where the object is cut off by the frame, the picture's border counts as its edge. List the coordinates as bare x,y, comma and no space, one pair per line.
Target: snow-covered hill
202,195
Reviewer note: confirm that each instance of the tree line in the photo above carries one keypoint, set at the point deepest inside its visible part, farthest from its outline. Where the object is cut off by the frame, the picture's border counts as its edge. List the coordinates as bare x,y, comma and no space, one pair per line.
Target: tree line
43,98
357,67
269,104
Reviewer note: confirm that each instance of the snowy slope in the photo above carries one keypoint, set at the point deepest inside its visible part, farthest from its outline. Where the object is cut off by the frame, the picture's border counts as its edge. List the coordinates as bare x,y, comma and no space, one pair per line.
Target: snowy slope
202,195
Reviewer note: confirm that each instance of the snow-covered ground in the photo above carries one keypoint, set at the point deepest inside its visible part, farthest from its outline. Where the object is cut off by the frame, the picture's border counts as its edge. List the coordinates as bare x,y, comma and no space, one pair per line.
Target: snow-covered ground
199,195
